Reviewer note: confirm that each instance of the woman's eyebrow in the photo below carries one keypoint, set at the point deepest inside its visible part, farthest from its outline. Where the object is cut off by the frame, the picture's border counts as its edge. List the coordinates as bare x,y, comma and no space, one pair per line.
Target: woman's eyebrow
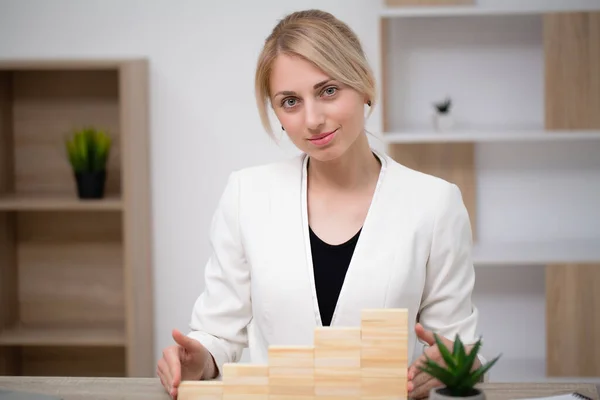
292,93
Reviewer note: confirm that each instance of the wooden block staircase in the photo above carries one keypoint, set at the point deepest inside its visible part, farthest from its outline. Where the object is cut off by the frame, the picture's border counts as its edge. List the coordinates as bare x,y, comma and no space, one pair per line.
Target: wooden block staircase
369,362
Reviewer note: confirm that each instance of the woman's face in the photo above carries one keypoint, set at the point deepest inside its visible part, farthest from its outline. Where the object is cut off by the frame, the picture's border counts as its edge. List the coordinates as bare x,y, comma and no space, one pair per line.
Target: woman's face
321,116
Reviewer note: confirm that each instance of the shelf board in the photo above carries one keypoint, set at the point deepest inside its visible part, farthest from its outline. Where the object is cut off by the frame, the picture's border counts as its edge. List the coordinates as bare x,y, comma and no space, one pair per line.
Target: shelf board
44,202
528,370
21,336
63,63
513,254
474,10
489,136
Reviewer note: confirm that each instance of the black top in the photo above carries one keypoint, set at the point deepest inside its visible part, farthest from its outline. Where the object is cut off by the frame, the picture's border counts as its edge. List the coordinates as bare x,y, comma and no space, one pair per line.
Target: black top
330,263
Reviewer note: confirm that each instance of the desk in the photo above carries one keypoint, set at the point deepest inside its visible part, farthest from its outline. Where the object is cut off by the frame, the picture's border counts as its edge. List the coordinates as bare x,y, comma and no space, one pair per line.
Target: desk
151,389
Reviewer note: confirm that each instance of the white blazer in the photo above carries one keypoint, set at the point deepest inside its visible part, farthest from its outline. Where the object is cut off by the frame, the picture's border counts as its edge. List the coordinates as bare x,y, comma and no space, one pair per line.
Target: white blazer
414,252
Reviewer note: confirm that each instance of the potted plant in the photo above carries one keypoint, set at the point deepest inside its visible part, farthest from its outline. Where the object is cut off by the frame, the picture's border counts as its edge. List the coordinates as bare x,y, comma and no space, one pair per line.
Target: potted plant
457,375
88,150
442,118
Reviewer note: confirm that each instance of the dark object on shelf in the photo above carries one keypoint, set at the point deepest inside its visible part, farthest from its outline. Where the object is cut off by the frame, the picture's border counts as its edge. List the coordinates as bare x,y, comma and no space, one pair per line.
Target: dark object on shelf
90,184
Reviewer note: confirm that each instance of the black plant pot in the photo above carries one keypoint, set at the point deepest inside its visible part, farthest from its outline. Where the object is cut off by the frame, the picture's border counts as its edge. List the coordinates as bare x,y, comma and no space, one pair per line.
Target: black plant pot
90,185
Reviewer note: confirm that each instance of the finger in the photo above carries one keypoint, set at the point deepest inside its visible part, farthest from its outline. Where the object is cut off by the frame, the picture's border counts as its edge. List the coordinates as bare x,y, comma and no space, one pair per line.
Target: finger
423,390
163,381
185,341
422,379
171,356
163,368
432,352
425,335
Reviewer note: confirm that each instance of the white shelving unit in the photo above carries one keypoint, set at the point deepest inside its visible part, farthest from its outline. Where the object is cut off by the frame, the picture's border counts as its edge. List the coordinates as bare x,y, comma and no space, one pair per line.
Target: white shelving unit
537,190
489,136
535,253
492,7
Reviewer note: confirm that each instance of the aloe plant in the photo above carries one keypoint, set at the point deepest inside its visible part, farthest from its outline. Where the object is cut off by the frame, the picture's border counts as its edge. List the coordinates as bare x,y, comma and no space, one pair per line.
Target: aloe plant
457,375
443,107
88,150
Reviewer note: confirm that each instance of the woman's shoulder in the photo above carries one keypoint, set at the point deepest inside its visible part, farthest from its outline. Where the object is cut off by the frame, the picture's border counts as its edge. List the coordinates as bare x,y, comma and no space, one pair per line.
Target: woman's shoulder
284,168
405,178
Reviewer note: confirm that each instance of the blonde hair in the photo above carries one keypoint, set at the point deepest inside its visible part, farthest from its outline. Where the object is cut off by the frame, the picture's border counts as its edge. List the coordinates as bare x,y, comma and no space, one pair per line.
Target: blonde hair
325,41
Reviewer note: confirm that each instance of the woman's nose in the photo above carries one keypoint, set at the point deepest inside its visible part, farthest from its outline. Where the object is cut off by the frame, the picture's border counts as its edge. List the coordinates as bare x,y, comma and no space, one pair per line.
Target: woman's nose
314,115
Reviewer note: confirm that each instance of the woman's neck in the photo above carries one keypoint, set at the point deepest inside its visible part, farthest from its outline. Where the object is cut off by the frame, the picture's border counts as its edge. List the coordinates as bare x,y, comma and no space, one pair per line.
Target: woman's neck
356,169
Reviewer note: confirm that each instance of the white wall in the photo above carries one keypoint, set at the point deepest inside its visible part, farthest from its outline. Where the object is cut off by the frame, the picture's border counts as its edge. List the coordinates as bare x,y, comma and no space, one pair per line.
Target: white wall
204,121
204,124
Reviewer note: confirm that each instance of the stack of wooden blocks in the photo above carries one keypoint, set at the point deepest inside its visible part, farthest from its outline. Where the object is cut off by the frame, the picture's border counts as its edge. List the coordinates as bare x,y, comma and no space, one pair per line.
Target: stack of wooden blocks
369,362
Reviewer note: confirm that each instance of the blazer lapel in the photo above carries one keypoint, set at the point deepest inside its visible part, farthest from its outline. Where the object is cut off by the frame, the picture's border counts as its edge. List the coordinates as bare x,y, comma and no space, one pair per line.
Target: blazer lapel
367,278
371,262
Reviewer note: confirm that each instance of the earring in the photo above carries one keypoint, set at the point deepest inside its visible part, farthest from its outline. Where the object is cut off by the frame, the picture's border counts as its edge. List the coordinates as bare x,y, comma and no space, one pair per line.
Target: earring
282,128
369,103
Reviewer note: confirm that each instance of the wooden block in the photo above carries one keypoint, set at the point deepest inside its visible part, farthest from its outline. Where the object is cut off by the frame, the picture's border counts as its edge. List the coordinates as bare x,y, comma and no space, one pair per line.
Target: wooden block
384,339
292,386
337,347
245,382
390,318
291,356
291,372
337,363
377,388
200,390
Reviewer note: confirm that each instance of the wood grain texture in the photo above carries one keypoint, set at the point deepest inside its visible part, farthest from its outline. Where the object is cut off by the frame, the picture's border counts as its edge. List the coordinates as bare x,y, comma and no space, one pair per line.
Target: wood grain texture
67,337
439,3
48,106
572,101
8,257
454,162
384,354
200,390
6,134
245,382
70,268
291,372
98,388
61,202
9,311
337,362
573,329
60,361
137,222
572,70
95,255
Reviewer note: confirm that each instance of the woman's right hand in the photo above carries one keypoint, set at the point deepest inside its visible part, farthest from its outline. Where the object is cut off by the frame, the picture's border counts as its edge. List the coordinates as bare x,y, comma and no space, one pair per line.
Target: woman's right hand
188,359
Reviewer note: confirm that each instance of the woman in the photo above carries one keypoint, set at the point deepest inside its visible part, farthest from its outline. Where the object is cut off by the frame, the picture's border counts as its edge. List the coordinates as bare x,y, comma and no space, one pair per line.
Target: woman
314,240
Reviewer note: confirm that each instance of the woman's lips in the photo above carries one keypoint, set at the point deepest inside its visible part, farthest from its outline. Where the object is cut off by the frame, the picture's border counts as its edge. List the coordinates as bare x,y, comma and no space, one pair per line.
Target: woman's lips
323,138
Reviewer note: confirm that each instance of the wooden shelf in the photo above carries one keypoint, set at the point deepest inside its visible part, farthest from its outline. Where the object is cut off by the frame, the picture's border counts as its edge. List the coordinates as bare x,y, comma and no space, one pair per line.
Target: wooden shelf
491,136
20,336
59,203
514,254
531,8
531,370
70,262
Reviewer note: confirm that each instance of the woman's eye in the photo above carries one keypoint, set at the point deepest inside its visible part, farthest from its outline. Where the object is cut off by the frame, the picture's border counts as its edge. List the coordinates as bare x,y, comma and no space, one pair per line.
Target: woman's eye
330,91
289,102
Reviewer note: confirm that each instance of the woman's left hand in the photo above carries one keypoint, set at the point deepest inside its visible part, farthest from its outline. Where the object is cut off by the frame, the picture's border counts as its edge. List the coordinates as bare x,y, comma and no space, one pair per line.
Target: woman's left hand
419,382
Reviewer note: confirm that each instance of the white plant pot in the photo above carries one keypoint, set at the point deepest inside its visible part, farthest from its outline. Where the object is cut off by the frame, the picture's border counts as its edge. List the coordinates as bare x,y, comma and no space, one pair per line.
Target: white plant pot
443,122
441,393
